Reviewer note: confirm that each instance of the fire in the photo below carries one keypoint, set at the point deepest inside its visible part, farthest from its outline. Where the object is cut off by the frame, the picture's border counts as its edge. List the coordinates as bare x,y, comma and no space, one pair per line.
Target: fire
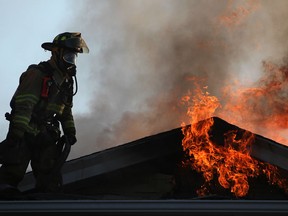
262,109
231,163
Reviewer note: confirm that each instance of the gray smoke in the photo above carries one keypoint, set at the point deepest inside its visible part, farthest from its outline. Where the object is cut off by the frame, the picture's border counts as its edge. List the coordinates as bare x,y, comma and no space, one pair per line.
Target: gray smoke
144,54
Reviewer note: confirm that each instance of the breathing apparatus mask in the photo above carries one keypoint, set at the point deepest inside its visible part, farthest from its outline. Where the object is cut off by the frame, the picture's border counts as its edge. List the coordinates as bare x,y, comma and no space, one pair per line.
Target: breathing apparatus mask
69,62
70,57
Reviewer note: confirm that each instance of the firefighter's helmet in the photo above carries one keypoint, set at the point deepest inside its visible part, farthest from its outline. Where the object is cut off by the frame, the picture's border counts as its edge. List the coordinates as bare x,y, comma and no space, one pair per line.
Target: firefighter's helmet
67,40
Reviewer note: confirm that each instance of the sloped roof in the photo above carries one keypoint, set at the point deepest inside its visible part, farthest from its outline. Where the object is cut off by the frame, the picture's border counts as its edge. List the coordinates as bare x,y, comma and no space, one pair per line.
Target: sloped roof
145,177
156,156
116,158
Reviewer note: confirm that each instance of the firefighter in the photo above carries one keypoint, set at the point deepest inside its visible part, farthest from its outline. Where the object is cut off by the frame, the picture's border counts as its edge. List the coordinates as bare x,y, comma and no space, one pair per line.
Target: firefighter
41,110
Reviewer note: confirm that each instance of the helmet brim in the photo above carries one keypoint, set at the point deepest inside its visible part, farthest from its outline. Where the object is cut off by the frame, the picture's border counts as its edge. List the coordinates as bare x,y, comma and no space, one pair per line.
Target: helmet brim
49,46
53,47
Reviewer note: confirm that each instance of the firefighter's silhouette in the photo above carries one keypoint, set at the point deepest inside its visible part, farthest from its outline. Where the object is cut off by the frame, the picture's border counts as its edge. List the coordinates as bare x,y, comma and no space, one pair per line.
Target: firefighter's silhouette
41,109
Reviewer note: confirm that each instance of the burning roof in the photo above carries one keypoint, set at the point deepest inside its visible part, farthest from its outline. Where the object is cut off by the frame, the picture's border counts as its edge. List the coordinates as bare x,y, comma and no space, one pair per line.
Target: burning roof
233,156
156,167
151,175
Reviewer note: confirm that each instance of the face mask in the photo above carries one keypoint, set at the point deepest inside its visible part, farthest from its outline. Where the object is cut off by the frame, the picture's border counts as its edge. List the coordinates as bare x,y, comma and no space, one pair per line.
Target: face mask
70,57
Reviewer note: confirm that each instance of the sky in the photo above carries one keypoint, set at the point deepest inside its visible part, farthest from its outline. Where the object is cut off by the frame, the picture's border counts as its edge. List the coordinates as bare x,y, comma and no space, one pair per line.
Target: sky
143,55
25,27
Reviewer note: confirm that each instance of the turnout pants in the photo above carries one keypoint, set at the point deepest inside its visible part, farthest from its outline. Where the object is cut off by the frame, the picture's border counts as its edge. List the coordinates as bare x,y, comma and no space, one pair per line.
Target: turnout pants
41,151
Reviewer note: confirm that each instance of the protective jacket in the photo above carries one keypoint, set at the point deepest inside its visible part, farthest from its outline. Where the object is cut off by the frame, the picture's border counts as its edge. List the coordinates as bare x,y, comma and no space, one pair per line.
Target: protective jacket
44,95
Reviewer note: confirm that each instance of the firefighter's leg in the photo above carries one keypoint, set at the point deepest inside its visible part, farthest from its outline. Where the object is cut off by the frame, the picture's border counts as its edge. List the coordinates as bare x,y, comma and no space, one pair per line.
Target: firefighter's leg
15,164
42,162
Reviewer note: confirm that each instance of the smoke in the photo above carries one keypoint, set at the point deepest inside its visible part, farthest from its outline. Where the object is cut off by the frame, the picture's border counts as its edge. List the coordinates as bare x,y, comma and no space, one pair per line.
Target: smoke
144,54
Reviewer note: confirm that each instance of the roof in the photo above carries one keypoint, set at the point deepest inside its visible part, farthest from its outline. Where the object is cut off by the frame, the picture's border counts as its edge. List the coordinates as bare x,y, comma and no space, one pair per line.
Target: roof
146,176
150,164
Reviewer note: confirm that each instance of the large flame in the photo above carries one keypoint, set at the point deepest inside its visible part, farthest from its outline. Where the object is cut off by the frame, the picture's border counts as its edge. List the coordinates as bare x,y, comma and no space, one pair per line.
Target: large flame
231,163
261,109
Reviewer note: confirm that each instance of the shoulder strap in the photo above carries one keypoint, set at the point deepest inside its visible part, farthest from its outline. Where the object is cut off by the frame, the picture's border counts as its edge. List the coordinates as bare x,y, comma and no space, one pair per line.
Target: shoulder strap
46,67
47,80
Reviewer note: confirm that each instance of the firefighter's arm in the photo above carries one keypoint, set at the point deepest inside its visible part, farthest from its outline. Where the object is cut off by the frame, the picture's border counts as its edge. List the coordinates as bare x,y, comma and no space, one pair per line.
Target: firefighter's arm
25,98
68,125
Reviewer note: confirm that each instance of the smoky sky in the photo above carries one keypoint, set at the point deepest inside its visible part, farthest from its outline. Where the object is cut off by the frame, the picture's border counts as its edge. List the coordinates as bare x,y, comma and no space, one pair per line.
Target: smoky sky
145,54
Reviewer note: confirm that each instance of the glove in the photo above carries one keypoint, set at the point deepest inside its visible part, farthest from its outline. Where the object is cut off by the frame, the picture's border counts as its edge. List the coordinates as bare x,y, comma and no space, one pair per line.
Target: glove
71,139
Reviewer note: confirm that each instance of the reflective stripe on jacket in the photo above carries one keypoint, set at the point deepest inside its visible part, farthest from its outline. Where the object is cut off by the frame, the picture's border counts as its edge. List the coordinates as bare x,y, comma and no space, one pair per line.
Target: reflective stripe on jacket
28,107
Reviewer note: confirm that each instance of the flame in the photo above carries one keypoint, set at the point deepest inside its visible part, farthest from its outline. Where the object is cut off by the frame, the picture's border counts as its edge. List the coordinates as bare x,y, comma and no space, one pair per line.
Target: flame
230,163
262,109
